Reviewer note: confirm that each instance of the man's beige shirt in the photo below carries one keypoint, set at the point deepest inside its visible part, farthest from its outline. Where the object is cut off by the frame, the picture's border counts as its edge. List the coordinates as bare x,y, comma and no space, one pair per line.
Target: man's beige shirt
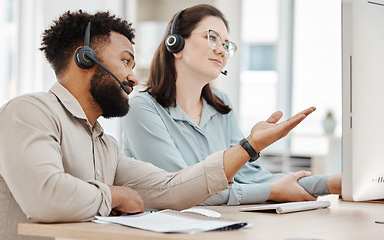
56,167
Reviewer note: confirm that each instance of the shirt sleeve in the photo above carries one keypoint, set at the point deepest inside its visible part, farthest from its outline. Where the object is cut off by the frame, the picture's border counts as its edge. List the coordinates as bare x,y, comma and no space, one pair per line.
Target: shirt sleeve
251,193
315,184
31,165
183,189
241,194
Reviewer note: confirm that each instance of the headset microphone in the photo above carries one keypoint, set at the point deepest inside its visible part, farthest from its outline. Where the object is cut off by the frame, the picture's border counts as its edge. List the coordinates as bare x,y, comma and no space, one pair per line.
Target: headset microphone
85,58
225,72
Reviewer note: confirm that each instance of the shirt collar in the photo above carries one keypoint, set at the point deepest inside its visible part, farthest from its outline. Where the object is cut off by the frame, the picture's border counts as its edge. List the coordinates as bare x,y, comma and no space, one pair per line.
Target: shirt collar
177,113
73,106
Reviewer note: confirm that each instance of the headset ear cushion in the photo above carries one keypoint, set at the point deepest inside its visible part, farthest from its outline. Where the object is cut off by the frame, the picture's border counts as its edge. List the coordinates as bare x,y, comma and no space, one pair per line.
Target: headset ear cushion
174,43
82,61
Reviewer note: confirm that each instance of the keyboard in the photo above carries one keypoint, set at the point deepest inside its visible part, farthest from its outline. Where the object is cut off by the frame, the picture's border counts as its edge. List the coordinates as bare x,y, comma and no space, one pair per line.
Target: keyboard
281,208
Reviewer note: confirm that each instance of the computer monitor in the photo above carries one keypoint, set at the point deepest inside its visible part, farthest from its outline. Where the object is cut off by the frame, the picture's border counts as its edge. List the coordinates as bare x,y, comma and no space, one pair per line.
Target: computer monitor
363,99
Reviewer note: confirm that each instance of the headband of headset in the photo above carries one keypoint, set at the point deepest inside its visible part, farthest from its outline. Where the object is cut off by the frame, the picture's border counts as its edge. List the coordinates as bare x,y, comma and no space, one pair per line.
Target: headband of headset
175,42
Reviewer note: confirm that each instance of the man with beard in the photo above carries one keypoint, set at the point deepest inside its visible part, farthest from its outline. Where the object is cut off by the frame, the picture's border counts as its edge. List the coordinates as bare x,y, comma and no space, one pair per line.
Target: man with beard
57,164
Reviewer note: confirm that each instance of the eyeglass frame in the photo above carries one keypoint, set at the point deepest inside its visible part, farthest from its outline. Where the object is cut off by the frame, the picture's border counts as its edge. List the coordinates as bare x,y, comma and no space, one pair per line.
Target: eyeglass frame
223,43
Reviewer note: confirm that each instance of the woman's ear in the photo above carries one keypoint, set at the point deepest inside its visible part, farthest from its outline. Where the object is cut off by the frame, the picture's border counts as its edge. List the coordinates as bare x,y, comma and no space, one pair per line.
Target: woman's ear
178,55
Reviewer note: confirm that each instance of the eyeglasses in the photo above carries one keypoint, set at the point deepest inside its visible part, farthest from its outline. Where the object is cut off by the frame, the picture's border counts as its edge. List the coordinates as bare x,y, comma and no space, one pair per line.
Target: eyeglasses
215,41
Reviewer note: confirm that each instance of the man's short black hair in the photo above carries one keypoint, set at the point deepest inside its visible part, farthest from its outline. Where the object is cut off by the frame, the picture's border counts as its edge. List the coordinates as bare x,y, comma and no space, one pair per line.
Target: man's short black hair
67,33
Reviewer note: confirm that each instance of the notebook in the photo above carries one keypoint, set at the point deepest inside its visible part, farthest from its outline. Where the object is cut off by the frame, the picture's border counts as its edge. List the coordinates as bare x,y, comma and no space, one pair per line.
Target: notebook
281,208
171,221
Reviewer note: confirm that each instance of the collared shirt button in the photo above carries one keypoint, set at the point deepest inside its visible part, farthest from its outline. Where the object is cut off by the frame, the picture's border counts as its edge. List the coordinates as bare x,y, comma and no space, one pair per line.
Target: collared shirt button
98,172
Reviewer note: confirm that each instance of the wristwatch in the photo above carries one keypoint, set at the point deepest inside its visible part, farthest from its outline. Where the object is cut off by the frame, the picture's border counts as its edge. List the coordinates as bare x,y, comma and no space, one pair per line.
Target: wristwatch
252,153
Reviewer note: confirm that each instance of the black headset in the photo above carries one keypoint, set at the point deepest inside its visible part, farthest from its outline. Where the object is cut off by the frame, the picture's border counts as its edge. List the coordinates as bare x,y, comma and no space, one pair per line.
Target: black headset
175,42
82,58
86,58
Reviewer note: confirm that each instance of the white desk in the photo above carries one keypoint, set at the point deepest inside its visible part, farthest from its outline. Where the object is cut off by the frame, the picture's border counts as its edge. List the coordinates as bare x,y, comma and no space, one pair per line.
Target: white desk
342,220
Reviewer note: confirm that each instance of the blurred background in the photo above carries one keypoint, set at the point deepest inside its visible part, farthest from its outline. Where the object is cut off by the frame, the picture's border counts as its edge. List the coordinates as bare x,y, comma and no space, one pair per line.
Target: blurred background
288,59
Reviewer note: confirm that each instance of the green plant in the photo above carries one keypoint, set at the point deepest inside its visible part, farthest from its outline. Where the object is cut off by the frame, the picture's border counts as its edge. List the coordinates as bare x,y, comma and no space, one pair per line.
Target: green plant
329,114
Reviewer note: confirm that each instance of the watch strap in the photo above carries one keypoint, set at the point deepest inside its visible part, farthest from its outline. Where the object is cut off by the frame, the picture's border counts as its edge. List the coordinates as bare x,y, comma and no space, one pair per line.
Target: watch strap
250,150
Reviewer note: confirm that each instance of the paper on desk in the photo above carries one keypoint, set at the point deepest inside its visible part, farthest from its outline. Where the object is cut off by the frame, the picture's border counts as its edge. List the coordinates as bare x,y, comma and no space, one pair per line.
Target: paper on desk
289,207
170,221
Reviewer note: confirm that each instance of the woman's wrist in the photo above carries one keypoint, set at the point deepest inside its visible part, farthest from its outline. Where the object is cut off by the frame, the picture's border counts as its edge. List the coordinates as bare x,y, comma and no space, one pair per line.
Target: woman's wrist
334,184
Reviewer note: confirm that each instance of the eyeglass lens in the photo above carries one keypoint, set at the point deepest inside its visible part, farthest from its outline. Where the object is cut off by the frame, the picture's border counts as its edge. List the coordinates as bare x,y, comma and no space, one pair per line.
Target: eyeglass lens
215,41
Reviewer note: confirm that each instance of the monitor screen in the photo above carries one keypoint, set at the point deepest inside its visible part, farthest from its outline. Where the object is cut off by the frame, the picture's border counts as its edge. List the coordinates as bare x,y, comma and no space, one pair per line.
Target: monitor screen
363,99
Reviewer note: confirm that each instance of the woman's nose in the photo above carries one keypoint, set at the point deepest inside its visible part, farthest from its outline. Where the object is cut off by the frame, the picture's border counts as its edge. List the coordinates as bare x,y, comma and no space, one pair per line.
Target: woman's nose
221,50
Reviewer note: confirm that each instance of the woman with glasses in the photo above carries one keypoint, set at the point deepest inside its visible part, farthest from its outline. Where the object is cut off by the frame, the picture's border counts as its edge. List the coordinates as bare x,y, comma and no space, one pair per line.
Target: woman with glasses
179,119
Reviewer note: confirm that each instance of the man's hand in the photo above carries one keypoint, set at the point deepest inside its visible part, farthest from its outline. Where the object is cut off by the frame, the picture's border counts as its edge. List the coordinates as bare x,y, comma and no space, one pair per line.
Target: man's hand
262,135
126,200
287,189
267,132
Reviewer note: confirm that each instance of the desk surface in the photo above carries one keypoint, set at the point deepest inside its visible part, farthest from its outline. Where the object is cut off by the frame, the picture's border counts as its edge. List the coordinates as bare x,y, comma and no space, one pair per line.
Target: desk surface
342,220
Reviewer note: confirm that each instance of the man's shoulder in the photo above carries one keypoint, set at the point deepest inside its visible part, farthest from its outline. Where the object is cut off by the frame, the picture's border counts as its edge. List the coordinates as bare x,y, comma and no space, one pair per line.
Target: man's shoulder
40,100
31,98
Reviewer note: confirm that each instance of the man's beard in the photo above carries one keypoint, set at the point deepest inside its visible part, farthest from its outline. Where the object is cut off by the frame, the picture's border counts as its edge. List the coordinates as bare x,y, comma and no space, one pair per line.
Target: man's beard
108,95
